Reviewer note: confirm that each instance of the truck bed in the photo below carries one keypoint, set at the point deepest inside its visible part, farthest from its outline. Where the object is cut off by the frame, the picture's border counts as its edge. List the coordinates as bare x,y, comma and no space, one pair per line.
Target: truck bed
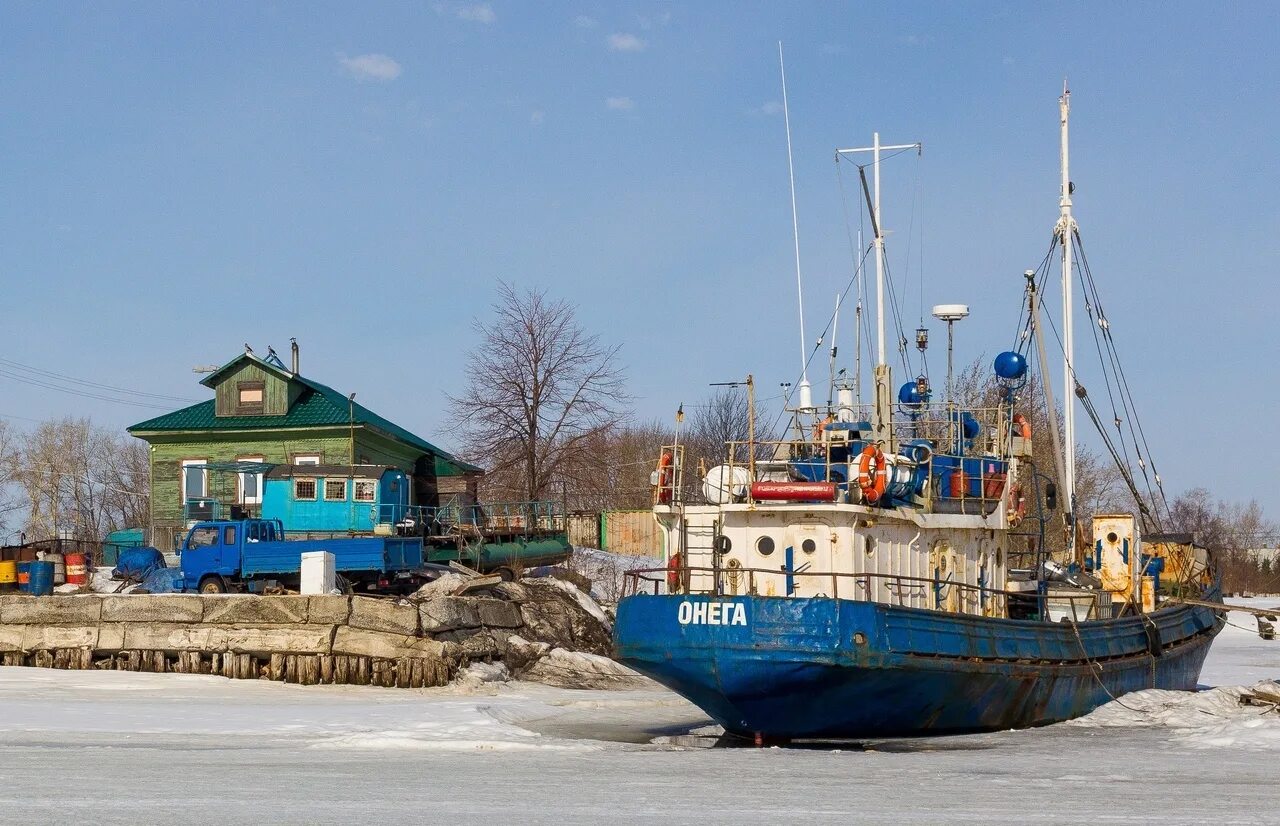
389,553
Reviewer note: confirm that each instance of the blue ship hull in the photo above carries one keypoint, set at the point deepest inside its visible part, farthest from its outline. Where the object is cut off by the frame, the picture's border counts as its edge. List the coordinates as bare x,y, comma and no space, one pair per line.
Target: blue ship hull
782,668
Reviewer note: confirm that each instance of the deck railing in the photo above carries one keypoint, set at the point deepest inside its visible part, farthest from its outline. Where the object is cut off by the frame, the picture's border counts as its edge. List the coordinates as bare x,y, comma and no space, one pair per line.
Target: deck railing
978,599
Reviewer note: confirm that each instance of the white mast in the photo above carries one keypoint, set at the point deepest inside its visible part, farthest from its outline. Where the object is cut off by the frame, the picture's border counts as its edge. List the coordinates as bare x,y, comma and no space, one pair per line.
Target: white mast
806,394
1065,229
883,405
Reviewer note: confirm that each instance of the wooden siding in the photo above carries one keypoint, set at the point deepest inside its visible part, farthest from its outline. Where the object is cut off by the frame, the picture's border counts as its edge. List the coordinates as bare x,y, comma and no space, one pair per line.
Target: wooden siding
276,395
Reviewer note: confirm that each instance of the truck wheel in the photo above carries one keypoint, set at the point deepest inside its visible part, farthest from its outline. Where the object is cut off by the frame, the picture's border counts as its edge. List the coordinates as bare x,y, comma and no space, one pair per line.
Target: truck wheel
212,585
506,574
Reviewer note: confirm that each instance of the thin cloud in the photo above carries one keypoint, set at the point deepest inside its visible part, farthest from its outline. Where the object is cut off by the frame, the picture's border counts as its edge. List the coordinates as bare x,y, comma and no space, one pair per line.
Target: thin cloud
770,108
619,104
370,67
477,13
584,22
626,43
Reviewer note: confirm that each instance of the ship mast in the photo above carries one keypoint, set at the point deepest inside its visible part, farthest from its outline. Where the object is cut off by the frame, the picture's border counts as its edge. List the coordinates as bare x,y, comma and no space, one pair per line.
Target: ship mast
882,421
1065,230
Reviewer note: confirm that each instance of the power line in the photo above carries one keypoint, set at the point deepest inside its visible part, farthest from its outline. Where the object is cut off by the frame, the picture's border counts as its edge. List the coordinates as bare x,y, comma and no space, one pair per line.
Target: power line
49,374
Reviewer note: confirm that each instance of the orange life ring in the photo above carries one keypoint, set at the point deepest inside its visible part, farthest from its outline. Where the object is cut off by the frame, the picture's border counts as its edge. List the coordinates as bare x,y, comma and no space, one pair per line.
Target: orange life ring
872,473
1017,508
1024,426
674,572
665,462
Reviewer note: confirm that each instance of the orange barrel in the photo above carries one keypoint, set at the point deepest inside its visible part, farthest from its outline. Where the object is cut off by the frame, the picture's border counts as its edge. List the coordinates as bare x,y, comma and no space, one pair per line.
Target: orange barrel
59,563
77,570
24,576
8,575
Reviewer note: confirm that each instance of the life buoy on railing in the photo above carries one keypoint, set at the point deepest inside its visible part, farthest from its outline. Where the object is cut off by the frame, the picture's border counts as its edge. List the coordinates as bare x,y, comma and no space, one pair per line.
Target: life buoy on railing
675,572
872,473
1024,426
1017,508
664,476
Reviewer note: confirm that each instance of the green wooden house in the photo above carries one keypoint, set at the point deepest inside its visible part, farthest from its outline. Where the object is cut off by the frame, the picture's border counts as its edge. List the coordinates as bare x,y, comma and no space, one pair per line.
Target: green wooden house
265,412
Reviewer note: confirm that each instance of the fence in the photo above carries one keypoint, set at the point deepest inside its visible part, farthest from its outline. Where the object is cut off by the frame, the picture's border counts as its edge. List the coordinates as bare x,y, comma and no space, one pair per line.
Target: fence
624,532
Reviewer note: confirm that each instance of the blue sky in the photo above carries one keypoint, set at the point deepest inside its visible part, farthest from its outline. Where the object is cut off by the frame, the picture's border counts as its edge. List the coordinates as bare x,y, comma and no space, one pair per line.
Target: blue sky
180,178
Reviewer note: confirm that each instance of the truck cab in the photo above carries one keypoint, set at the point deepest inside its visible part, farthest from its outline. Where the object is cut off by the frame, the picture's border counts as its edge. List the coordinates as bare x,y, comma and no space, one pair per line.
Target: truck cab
212,552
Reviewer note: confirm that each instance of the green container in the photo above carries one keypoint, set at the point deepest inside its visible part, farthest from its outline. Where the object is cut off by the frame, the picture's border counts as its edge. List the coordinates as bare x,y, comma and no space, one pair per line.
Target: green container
117,540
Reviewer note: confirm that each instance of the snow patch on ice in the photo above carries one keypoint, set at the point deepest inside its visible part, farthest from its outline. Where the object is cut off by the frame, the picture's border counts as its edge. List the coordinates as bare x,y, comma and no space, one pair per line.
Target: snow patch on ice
1217,718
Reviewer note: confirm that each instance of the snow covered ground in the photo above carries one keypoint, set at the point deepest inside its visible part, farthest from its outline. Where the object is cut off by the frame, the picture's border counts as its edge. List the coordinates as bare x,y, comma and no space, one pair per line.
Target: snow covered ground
95,747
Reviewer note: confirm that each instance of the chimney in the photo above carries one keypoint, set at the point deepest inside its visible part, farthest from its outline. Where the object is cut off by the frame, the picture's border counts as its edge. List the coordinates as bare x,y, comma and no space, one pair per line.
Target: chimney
293,345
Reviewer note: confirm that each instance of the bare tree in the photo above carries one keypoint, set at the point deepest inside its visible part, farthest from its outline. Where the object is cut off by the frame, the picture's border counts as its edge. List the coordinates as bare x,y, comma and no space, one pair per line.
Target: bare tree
10,503
540,389
81,478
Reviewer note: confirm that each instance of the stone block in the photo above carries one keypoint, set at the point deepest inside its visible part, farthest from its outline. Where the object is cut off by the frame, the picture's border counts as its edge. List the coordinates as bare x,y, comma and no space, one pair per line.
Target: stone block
384,615
448,614
363,643
174,638
48,637
153,608
254,610
328,610
495,613
10,638
307,639
111,636
51,610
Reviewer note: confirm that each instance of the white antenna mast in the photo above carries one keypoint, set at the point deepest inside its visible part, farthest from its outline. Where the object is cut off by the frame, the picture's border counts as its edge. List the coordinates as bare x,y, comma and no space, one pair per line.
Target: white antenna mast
835,326
806,393
1065,229
883,404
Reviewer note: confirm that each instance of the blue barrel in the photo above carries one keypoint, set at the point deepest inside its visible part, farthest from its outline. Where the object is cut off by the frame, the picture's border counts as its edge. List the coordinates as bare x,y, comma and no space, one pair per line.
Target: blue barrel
42,578
24,577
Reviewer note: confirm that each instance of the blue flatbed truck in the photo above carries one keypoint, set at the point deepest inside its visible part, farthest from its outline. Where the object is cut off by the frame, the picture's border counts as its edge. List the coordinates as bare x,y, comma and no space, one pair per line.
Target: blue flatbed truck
224,556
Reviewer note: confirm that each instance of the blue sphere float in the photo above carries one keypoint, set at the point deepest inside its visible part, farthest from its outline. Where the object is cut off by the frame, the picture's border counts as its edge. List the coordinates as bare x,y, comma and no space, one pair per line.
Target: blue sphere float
1011,366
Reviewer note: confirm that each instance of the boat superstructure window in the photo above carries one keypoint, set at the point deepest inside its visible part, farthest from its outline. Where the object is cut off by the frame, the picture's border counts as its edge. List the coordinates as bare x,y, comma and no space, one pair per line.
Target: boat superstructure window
808,546
764,545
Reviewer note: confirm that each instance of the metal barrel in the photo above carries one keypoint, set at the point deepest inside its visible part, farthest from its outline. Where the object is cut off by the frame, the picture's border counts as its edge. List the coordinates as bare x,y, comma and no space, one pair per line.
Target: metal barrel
8,575
77,570
42,578
24,576
59,563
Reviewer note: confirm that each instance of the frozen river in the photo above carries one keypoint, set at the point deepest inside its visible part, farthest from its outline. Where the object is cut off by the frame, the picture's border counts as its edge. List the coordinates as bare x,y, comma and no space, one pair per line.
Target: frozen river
102,747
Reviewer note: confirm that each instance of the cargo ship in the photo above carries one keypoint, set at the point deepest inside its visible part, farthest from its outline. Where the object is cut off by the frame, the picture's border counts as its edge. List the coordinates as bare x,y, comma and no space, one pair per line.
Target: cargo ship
908,567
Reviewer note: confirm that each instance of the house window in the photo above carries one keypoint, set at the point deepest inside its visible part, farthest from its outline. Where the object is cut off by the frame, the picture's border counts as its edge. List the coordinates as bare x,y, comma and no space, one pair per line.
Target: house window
250,483
249,397
304,488
366,491
335,489
195,479
306,459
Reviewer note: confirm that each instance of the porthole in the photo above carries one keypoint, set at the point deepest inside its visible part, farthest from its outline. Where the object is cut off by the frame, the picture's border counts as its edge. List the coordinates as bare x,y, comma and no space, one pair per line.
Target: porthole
808,546
764,545
999,558
723,544
870,545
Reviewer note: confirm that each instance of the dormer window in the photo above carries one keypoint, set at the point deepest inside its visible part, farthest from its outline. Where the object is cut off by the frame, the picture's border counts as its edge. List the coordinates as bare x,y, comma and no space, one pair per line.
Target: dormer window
249,398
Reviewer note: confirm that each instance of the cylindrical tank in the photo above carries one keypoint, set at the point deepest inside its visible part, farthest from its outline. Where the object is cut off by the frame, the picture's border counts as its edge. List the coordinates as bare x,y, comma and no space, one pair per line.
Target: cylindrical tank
59,563
42,578
24,576
8,575
794,491
844,400
77,570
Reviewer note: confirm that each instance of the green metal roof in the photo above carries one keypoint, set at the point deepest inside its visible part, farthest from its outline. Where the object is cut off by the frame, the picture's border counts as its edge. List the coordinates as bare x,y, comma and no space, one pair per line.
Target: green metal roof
317,406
